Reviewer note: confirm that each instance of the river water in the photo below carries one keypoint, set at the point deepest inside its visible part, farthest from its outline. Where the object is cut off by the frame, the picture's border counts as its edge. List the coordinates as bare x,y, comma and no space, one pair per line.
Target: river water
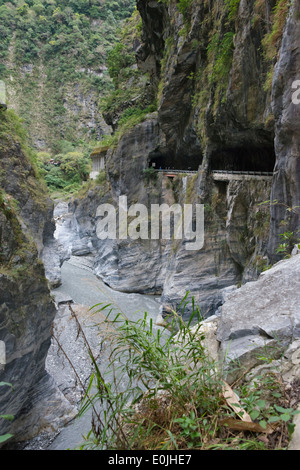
85,289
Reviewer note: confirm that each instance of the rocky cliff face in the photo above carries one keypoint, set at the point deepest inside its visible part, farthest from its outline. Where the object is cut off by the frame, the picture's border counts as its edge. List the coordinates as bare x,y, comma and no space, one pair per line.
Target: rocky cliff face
286,184
26,307
215,112
236,230
212,99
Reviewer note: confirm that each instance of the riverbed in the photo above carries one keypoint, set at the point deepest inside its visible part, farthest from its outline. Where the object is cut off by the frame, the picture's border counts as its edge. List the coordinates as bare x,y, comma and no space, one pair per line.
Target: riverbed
84,290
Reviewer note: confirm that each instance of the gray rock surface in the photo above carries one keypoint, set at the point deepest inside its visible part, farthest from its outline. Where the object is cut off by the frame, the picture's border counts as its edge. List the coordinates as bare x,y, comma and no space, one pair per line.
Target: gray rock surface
74,349
264,314
286,185
26,307
232,231
236,131
258,330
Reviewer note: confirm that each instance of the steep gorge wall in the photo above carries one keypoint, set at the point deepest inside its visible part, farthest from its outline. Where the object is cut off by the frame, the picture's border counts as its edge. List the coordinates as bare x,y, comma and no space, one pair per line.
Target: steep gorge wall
217,108
286,183
26,306
236,228
212,98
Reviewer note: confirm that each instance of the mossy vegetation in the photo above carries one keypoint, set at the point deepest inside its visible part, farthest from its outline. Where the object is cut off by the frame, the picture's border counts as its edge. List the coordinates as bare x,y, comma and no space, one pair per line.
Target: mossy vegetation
17,249
12,127
133,97
61,174
65,172
12,130
21,183
184,7
272,39
216,43
8,207
150,175
130,99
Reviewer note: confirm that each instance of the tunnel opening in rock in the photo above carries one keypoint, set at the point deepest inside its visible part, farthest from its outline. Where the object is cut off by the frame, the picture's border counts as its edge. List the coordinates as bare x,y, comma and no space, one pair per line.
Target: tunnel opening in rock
243,159
170,161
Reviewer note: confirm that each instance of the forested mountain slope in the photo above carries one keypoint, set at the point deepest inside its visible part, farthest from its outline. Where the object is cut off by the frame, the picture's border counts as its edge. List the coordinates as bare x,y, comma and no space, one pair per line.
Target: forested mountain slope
52,58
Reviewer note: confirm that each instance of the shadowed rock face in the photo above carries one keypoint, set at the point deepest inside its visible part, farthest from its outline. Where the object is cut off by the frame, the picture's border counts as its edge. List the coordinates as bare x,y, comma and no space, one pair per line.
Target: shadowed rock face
235,120
26,307
149,55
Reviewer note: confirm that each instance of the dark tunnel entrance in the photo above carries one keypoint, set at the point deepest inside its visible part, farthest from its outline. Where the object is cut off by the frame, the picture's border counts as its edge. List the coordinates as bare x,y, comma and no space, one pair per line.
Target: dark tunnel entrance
250,158
170,161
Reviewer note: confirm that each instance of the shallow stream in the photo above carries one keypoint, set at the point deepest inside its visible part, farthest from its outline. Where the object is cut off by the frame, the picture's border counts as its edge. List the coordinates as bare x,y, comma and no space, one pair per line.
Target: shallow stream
84,288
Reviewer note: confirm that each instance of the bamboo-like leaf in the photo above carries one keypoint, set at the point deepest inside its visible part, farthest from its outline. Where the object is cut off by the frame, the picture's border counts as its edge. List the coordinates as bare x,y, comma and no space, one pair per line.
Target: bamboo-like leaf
8,417
5,437
3,384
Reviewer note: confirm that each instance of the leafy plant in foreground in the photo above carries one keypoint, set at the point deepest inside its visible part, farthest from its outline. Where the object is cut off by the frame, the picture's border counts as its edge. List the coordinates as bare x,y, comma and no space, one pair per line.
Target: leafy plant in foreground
157,380
163,391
